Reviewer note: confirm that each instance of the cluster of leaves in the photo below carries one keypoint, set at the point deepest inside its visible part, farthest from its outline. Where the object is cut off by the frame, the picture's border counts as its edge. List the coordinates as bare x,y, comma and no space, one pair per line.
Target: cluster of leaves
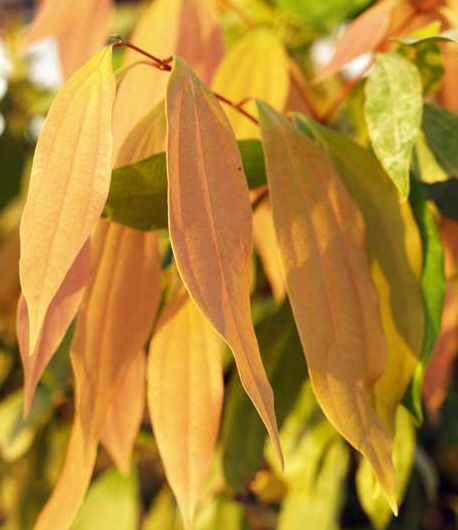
162,161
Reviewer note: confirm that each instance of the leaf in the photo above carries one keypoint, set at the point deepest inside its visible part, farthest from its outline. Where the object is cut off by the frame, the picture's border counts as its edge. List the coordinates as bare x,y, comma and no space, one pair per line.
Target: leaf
125,414
61,508
210,225
266,246
439,370
111,503
393,111
433,286
185,397
81,28
59,316
372,501
243,432
450,35
334,301
396,261
441,131
17,434
125,274
188,28
262,70
429,169
362,36
138,192
69,185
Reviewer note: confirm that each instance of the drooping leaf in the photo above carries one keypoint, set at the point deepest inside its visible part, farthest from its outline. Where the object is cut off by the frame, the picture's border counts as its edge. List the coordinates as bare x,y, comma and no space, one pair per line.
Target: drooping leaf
61,508
17,434
441,131
262,70
396,261
124,415
393,111
188,28
210,225
81,28
68,187
439,370
112,502
108,336
185,396
429,169
138,192
364,35
59,316
372,501
321,239
433,286
266,246
244,435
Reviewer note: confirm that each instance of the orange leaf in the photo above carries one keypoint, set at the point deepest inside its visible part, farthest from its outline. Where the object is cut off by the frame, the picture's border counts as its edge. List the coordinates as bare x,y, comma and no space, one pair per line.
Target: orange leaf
61,312
68,495
266,245
362,36
81,28
321,238
124,415
211,227
115,318
185,397
185,27
68,186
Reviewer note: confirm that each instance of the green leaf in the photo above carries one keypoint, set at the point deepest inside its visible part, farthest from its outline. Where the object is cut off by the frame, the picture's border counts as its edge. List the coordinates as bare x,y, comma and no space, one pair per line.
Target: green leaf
427,167
243,432
393,112
16,433
433,285
441,131
138,192
450,35
373,502
111,503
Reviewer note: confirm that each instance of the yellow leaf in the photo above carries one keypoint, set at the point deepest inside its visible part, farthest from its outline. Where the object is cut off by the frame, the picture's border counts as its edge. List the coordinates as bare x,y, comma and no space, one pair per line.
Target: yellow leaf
211,227
362,36
59,316
68,186
266,245
372,501
257,66
68,495
124,415
185,27
115,318
321,236
185,396
81,28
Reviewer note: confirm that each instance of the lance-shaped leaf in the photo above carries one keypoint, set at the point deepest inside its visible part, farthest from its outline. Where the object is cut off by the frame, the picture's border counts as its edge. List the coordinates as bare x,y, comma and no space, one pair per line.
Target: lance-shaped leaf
125,414
372,500
81,28
321,238
396,261
210,225
59,316
257,66
69,185
433,284
68,495
393,111
188,28
116,315
364,35
185,396
266,246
